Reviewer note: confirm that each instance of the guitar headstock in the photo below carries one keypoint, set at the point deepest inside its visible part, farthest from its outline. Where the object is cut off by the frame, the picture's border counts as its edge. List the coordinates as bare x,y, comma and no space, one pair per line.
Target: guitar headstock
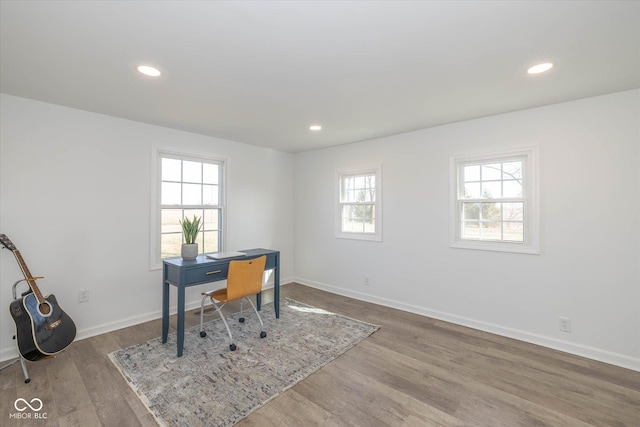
6,242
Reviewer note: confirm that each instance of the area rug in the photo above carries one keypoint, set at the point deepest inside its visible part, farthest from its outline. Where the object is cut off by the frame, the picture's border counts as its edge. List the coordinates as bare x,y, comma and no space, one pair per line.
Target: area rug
213,386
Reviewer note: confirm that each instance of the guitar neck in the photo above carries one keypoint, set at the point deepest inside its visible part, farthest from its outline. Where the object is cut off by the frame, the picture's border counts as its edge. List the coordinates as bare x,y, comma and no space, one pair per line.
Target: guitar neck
28,276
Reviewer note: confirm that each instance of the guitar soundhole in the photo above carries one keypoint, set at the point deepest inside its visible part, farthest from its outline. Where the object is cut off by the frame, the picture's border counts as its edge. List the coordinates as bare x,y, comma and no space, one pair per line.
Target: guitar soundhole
44,309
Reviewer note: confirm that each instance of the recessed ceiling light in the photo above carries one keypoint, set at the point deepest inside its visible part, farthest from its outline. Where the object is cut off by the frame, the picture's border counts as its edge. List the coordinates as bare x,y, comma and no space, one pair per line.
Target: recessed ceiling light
315,128
149,71
540,68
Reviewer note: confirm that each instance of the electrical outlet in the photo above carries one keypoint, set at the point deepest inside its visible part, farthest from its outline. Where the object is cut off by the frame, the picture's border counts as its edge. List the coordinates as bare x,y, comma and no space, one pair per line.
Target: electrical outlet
366,281
565,324
83,295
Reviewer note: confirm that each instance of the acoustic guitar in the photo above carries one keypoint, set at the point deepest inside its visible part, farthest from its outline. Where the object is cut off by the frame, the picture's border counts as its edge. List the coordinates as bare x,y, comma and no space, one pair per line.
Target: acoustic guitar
42,328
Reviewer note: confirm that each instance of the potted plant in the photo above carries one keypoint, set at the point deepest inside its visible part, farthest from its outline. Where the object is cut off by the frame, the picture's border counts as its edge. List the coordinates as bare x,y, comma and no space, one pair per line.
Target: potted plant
190,230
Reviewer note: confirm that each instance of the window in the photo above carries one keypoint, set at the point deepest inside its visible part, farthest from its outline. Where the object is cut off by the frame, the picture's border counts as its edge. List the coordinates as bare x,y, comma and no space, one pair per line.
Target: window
188,186
359,207
495,202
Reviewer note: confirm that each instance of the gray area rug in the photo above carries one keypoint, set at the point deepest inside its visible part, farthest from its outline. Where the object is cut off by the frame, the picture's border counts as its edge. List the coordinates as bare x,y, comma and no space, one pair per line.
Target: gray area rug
210,385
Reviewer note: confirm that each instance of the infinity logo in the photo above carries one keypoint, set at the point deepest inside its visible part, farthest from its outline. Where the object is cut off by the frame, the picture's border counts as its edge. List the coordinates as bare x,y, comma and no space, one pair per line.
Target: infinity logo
28,404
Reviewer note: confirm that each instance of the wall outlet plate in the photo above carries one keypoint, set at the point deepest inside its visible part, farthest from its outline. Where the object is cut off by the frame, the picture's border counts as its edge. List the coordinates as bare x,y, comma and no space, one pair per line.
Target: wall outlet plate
83,295
565,324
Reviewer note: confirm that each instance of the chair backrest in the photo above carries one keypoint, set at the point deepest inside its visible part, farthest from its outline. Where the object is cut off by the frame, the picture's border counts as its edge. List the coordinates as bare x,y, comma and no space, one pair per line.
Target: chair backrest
245,277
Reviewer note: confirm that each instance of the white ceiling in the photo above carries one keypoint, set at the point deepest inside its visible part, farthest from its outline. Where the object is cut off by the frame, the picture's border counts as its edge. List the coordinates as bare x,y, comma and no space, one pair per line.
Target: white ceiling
262,72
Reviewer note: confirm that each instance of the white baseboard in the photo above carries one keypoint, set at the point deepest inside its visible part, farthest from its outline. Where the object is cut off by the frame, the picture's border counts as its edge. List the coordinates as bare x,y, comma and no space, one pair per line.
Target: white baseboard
12,352
545,341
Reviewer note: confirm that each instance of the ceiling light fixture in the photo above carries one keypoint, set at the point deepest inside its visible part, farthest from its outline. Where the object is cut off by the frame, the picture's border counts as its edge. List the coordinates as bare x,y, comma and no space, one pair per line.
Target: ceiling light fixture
540,68
149,71
315,128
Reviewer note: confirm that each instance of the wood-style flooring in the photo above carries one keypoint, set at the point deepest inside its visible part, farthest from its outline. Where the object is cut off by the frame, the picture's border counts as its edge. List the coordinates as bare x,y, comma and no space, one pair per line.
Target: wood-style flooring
414,371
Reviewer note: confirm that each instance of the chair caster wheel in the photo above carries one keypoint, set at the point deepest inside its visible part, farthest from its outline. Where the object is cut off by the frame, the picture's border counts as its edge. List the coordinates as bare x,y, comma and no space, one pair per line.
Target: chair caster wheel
203,334
241,320
263,334
232,347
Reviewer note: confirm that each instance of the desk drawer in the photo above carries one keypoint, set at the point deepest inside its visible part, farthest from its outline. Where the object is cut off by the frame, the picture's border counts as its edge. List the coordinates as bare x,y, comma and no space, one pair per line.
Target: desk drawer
209,273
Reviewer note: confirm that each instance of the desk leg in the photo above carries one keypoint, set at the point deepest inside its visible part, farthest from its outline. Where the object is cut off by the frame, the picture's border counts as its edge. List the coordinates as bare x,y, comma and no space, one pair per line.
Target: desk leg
165,311
276,288
258,300
180,319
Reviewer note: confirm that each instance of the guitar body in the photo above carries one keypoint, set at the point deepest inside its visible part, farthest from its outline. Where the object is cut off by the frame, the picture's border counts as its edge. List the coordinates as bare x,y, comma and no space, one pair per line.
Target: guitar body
41,336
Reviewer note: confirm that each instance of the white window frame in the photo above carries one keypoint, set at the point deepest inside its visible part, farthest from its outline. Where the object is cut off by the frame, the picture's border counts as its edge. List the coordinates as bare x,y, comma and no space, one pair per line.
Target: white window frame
530,198
156,207
375,170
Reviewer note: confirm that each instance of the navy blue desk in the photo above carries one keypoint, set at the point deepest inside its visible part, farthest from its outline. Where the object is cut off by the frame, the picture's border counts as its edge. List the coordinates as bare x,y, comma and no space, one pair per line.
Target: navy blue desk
182,274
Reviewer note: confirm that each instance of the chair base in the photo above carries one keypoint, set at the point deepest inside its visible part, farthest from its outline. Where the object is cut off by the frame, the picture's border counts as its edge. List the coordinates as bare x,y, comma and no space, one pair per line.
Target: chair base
218,308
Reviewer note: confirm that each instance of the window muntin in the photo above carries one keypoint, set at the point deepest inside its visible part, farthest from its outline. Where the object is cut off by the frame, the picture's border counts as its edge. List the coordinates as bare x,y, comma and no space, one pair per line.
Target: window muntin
495,202
359,207
190,187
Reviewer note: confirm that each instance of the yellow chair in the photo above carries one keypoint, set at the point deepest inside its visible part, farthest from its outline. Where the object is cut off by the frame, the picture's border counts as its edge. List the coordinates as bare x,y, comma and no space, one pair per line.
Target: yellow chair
244,280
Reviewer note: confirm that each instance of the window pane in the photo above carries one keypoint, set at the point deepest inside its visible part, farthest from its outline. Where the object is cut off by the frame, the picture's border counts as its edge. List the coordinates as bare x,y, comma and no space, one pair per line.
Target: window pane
512,170
211,243
210,195
471,230
191,194
171,169
512,189
471,173
170,193
491,230
513,211
170,221
491,190
170,245
472,191
491,172
211,219
514,231
491,211
191,171
471,211
209,173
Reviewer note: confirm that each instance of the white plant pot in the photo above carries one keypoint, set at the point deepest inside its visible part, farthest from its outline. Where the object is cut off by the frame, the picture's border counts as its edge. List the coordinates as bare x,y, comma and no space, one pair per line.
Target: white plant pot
189,251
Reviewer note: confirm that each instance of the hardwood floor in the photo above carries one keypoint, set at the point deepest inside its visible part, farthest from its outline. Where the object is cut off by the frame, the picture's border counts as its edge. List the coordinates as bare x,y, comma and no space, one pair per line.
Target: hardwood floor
414,371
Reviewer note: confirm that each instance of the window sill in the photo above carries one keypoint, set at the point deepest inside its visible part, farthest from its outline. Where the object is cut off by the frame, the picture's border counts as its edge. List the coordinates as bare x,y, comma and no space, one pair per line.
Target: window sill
360,236
496,247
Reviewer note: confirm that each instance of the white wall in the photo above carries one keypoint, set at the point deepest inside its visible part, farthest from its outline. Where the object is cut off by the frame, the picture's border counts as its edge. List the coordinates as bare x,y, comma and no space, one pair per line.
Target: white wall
588,269
75,199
